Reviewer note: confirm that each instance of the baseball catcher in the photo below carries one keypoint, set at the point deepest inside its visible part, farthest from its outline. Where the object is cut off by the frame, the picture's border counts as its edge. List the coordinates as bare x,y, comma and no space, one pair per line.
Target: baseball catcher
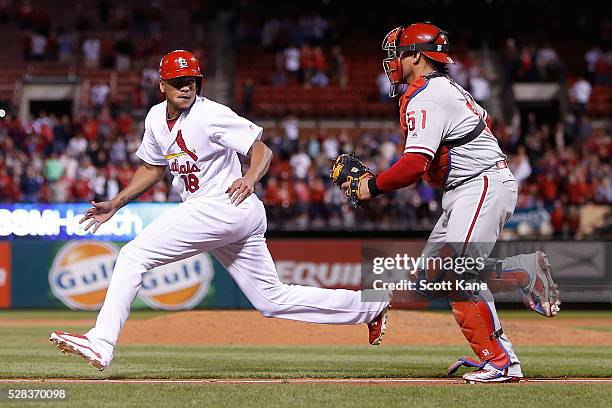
449,144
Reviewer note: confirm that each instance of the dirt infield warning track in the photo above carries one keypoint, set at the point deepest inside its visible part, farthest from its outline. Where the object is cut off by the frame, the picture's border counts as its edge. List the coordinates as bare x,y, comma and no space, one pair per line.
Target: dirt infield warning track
349,381
223,327
404,328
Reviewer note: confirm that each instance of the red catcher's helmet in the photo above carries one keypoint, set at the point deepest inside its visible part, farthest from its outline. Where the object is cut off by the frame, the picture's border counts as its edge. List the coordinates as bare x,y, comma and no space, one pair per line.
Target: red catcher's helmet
180,63
424,37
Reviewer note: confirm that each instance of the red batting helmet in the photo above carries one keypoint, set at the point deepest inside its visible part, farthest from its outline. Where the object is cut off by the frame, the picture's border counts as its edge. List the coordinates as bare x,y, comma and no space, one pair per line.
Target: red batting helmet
424,37
180,63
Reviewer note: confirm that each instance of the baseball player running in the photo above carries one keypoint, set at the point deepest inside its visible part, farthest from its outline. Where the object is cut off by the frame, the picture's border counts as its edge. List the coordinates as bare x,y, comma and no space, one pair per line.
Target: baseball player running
199,140
450,145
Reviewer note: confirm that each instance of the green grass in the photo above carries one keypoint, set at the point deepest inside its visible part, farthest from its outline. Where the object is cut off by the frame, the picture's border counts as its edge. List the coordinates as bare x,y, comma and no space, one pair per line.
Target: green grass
603,329
565,314
26,352
325,395
62,314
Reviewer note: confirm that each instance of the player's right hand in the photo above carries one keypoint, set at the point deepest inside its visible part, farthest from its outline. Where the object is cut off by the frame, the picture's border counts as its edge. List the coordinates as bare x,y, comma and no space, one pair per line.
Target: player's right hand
363,191
98,214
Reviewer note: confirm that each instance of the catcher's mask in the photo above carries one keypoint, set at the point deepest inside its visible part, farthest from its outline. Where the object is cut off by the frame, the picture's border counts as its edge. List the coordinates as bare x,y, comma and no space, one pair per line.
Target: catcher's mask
425,38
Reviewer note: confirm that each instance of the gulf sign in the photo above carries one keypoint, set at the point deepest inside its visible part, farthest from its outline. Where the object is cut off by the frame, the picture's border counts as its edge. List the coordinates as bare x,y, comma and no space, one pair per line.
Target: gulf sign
81,272
179,285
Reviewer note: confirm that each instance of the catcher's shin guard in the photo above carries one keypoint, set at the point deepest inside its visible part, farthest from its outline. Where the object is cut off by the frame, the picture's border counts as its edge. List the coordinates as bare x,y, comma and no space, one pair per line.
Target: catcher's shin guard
478,326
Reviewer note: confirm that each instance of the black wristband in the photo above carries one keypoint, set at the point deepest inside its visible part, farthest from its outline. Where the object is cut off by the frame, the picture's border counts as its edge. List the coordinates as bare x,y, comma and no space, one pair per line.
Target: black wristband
374,190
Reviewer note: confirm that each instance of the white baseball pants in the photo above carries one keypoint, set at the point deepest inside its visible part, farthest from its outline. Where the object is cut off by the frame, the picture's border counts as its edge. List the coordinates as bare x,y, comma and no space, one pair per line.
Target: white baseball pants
235,236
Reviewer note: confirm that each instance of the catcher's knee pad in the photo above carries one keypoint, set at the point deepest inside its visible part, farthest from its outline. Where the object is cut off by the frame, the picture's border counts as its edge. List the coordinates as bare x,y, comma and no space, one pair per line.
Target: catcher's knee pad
478,326
441,268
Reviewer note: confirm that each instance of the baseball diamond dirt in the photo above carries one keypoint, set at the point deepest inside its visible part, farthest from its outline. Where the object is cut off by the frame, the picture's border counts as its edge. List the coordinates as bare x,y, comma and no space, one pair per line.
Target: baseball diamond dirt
407,328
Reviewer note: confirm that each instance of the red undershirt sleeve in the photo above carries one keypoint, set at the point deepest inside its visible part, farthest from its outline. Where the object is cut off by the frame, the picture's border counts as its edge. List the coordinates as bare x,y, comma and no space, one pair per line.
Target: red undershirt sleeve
405,172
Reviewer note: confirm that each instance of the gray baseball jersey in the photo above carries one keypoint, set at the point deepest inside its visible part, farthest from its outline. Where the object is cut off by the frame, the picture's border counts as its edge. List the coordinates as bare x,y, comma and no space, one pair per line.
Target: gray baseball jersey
442,110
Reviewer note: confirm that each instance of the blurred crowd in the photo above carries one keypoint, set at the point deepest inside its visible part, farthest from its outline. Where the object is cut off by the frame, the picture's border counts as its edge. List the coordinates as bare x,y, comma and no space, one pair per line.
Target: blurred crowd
53,159
561,167
532,63
63,159
304,45
298,192
59,159
112,37
310,66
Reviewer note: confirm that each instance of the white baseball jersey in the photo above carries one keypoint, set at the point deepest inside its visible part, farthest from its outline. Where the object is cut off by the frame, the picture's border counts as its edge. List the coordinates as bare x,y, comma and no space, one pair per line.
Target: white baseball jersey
441,111
201,147
201,150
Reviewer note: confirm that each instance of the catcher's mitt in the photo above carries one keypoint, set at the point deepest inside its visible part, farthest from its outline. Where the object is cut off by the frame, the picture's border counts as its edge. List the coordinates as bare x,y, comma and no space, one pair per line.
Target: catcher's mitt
349,168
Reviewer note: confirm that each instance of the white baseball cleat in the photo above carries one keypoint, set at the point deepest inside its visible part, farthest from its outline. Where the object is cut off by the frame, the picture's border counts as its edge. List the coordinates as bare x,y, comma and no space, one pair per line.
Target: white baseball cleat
490,374
78,345
541,294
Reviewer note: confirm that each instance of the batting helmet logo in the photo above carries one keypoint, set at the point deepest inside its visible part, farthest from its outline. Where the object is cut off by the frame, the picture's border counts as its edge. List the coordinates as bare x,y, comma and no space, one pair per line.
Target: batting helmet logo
182,62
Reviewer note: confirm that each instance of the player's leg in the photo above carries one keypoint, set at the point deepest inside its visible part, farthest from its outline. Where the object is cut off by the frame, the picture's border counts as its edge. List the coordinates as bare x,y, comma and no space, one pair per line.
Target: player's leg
179,233
488,203
476,316
250,264
437,237
529,273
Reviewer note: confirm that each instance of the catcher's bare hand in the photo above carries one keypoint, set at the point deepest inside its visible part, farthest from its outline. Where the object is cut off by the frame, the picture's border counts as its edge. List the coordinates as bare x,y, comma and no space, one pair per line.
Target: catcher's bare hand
240,189
363,192
98,214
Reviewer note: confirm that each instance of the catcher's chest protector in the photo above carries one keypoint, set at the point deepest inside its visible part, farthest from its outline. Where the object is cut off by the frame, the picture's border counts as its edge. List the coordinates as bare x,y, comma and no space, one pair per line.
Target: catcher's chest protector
439,167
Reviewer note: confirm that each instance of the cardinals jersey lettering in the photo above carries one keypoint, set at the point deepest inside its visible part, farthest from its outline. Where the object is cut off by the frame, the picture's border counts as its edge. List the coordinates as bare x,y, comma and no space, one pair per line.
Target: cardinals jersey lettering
201,147
443,111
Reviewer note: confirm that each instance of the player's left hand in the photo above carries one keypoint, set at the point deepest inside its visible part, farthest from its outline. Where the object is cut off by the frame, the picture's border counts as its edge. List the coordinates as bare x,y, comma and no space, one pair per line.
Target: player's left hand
240,190
363,192
351,175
